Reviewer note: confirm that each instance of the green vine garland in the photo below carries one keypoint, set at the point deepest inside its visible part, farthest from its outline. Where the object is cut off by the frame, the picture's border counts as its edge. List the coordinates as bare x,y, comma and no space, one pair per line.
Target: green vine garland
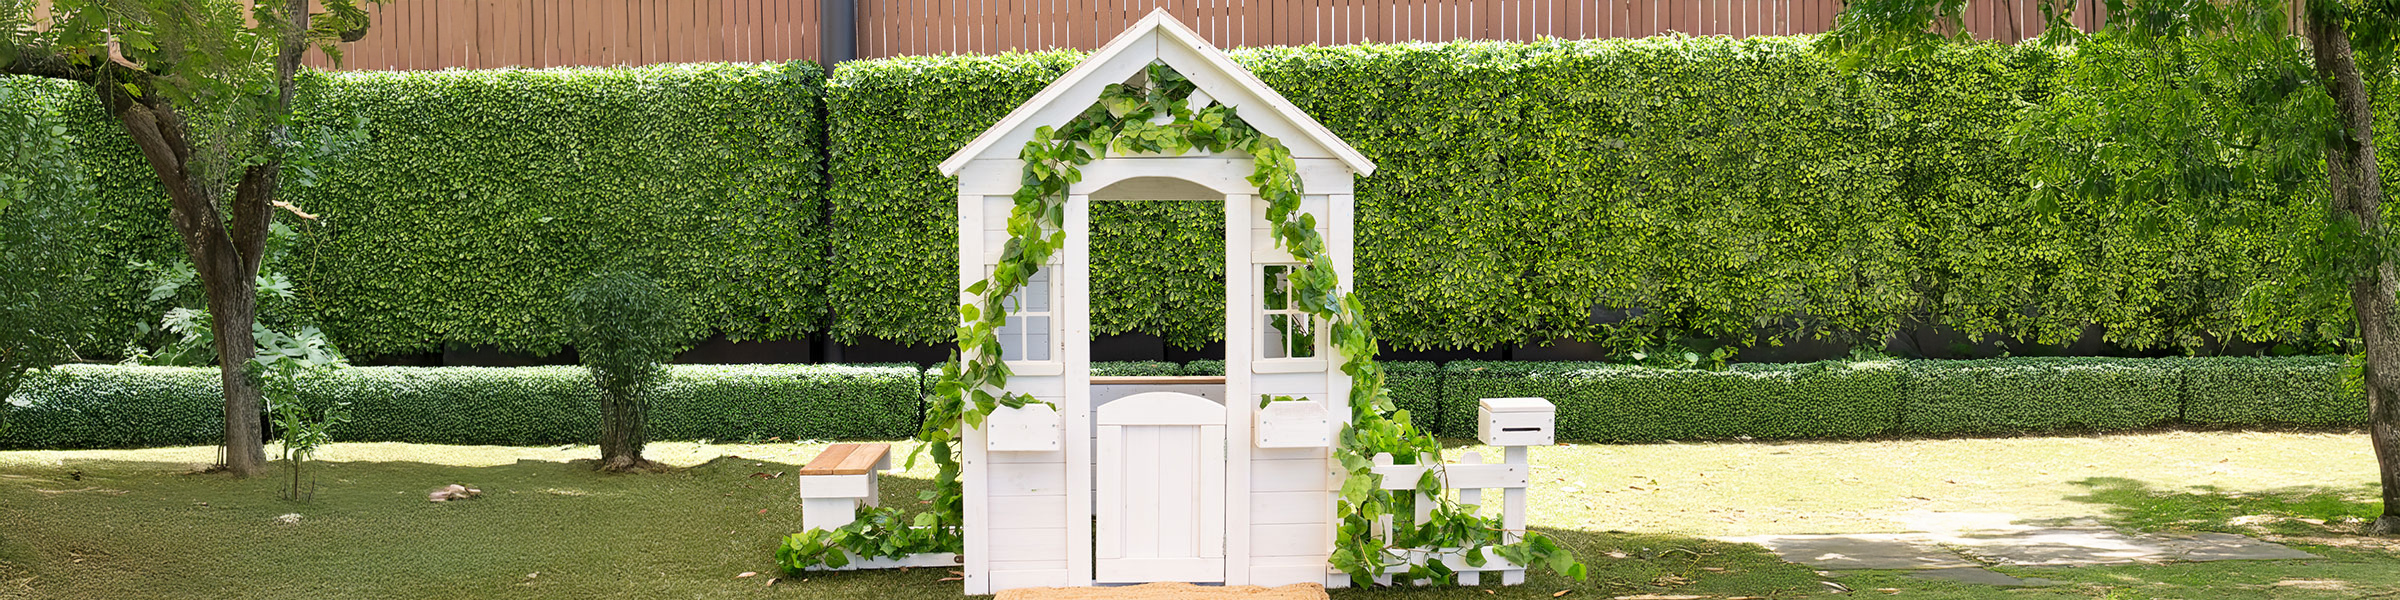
974,383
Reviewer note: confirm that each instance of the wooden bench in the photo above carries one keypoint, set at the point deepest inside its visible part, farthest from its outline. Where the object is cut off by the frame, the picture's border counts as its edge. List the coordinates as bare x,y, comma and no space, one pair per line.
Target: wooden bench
833,484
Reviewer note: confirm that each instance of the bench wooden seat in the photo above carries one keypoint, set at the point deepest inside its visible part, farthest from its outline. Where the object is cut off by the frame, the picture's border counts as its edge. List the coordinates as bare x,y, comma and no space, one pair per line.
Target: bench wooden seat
838,480
847,459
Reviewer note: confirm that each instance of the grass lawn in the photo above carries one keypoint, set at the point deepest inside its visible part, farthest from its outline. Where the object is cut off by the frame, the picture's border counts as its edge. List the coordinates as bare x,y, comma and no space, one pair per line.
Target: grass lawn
139,524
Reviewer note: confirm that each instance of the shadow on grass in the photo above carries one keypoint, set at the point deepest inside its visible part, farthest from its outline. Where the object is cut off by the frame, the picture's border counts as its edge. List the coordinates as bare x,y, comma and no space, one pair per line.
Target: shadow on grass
2298,510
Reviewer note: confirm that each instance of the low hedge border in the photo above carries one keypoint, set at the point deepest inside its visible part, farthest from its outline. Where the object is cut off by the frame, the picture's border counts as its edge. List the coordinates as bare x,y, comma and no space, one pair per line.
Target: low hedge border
114,407
1602,402
2015,395
89,406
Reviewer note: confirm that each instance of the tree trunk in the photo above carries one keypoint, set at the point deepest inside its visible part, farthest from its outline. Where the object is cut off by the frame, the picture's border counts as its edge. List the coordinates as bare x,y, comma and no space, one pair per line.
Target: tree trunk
2357,188
232,306
622,431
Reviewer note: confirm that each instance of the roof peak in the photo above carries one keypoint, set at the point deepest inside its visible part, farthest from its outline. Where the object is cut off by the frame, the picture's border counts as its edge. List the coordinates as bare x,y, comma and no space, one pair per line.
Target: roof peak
1203,63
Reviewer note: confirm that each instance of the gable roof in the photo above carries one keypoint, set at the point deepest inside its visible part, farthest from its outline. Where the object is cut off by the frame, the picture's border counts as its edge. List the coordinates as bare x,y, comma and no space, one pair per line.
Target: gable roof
1162,28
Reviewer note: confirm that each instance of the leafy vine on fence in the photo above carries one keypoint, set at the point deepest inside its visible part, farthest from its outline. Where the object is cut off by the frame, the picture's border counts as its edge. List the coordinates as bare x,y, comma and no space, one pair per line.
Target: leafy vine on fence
974,383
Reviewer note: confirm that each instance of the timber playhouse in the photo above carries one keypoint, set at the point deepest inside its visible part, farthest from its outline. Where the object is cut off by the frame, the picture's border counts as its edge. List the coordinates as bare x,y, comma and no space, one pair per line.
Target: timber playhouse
1291,468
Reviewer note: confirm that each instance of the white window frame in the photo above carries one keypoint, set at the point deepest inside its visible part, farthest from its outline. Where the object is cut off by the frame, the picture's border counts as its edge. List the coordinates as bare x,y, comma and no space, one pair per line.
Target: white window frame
1057,361
1260,362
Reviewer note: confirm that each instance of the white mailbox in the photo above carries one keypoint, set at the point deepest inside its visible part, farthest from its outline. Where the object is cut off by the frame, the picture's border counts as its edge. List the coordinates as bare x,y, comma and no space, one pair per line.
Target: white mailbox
1293,424
1517,422
1032,428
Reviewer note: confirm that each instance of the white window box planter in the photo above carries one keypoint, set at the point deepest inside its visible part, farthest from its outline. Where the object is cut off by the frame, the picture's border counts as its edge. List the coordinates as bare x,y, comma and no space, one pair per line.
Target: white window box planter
1300,424
1033,428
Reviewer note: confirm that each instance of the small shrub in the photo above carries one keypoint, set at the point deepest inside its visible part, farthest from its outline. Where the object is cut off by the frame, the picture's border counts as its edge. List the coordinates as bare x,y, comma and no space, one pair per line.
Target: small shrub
625,327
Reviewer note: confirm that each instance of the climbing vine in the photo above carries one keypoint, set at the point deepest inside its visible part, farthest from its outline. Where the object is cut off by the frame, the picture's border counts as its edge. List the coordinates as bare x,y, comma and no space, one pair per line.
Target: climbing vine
1125,121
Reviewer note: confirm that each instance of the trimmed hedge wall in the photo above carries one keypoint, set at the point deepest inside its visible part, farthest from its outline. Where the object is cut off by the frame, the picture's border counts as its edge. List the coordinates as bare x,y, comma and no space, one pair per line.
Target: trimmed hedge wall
1131,368
89,406
2299,390
103,407
1705,185
2011,395
481,193
1710,184
484,193
1617,403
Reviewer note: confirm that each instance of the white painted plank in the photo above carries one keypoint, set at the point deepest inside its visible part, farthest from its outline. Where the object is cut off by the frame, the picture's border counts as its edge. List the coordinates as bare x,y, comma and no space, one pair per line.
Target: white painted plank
1029,565
1138,570
1140,513
1112,484
1238,350
997,209
1075,409
1032,511
1212,491
1317,454
975,485
1055,457
1016,543
827,513
1026,479
1324,176
1340,243
1512,507
837,486
1288,475
1278,508
995,244
1178,502
1047,387
1302,539
1305,385
1404,477
1282,575
1013,580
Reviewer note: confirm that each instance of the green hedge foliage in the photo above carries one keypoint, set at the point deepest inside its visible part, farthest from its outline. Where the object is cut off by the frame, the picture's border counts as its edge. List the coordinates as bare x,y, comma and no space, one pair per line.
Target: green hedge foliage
483,194
2299,390
1136,368
86,406
1711,183
2042,394
893,218
129,210
1144,277
107,407
1618,403
1416,386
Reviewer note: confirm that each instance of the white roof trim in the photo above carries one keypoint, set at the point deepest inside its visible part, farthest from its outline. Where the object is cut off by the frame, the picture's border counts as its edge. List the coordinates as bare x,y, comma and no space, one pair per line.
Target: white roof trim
1174,31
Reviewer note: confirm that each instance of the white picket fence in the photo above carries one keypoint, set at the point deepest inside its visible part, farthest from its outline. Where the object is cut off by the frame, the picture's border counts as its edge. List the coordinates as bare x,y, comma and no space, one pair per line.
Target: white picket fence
1472,478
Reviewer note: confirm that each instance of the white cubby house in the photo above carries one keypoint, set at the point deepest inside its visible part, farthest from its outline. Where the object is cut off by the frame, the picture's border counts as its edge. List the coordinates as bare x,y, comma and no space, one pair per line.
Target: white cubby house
1145,479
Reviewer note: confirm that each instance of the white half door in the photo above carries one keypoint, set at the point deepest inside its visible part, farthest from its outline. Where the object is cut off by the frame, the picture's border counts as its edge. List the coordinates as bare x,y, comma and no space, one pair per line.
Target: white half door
1161,509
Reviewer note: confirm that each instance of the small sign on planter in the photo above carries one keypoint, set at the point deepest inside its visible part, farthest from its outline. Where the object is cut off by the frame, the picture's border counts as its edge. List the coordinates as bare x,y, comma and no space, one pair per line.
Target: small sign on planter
1293,424
1031,428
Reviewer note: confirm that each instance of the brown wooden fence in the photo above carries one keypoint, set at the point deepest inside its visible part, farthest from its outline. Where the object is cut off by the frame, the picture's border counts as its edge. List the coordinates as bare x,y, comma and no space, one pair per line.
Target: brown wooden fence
434,34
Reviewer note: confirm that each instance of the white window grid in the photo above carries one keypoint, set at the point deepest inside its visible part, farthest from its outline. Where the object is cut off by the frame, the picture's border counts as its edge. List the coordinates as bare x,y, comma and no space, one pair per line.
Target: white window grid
1285,331
1027,335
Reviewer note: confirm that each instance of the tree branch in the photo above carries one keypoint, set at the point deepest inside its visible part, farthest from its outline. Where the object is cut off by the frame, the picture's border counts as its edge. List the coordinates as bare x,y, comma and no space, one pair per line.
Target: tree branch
44,62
